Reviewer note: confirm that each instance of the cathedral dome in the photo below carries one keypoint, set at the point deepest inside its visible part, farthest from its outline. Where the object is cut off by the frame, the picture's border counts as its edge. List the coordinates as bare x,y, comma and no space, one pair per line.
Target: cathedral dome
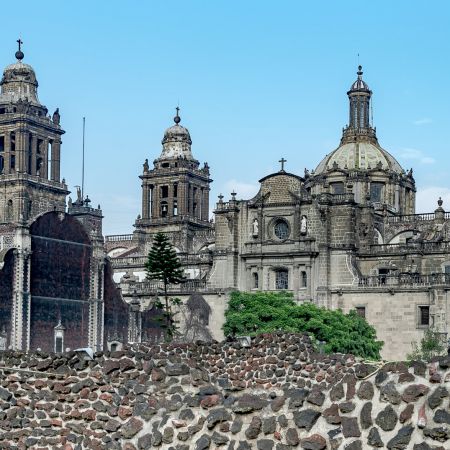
19,82
177,133
359,156
176,141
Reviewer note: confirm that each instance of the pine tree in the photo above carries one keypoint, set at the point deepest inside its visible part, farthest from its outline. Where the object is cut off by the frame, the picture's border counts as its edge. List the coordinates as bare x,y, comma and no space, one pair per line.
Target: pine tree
163,265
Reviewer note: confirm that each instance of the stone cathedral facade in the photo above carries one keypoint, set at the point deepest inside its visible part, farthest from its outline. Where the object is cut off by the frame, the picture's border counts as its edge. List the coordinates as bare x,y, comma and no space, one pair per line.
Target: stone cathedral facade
344,235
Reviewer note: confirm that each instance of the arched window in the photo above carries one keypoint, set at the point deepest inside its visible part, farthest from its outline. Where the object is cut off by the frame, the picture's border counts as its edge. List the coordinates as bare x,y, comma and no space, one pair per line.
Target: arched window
281,279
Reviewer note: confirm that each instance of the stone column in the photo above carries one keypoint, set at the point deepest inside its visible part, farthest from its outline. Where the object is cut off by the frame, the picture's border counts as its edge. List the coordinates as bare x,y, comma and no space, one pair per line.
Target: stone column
56,160
145,200
20,326
205,208
33,150
182,198
7,154
21,144
170,200
96,305
156,208
44,153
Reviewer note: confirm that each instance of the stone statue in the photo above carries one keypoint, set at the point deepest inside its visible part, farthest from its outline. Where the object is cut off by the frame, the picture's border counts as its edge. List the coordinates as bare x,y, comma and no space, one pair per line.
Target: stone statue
56,117
255,227
79,199
303,225
146,165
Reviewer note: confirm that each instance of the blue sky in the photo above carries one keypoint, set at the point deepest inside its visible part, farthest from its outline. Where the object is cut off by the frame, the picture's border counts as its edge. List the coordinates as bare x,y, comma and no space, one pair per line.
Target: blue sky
255,80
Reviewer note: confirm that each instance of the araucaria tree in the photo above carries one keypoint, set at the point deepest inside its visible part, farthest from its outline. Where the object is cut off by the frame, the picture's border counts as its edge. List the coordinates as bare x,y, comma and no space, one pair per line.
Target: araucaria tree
163,265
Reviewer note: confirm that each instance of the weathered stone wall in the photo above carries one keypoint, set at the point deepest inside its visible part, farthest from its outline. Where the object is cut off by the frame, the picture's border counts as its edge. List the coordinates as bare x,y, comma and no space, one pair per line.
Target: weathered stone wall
277,395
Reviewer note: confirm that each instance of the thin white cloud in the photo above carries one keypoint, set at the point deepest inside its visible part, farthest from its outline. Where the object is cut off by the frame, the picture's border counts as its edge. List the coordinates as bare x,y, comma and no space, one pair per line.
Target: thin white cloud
243,190
422,121
426,199
416,155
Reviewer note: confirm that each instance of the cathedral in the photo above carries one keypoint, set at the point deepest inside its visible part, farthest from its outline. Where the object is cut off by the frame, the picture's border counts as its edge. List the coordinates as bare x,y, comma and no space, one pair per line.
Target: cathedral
344,235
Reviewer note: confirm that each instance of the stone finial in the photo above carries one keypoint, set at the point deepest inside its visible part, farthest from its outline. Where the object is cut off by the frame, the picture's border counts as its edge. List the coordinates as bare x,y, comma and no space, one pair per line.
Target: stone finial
440,202
220,198
233,196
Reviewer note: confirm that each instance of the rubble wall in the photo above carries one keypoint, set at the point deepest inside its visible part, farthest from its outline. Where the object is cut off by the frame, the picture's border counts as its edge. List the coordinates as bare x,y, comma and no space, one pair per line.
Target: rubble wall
276,394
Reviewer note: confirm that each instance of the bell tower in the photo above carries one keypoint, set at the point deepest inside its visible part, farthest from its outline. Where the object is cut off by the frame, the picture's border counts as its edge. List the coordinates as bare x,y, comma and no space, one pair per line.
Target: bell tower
30,148
176,191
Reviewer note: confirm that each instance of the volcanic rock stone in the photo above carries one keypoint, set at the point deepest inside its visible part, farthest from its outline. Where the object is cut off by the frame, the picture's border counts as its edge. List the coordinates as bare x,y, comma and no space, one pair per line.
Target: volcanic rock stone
389,393
306,418
254,428
350,427
365,416
203,442
219,439
292,437
365,391
216,416
314,442
269,425
440,434
413,392
264,444
442,416
435,399
407,413
248,403
374,439
131,428
355,445
316,397
386,419
402,438
337,392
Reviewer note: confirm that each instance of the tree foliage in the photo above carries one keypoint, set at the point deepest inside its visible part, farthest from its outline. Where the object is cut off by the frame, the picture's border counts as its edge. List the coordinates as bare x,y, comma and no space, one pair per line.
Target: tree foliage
263,312
163,265
430,345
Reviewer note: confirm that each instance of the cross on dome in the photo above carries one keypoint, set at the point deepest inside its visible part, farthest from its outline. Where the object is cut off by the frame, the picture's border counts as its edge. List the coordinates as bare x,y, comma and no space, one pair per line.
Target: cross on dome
19,54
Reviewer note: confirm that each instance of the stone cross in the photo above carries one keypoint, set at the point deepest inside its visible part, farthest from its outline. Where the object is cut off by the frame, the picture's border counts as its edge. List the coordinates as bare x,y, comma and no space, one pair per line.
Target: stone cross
282,161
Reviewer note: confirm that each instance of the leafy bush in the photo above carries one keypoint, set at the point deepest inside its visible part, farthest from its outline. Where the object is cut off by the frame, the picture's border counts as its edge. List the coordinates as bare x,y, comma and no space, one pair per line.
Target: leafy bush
431,345
265,312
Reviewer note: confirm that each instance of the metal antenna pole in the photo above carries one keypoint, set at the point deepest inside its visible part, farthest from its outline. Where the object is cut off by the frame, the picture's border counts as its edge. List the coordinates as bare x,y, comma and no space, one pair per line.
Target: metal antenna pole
82,165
